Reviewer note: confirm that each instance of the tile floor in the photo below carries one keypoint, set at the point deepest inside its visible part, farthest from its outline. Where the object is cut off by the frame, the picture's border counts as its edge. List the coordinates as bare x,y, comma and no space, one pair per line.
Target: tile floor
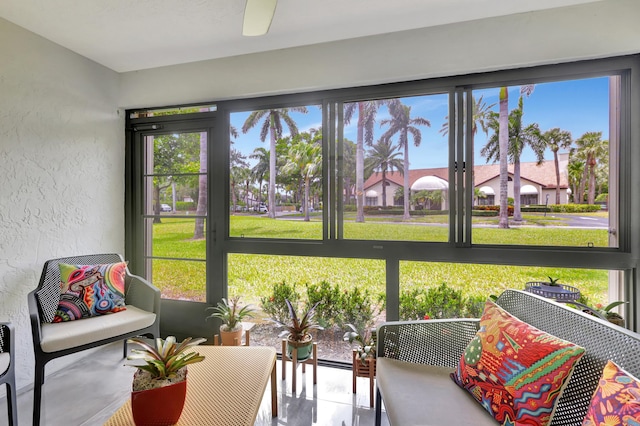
95,386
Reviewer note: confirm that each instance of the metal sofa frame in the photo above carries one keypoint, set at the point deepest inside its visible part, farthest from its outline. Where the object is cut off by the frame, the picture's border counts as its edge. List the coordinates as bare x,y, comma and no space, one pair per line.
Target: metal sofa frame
442,342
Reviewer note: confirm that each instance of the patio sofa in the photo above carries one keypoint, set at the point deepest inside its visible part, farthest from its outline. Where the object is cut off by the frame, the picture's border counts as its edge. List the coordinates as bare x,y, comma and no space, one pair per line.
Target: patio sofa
415,359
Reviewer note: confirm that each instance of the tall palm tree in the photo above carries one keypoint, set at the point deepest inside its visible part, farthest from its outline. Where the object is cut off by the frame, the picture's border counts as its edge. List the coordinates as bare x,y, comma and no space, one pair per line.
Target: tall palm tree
403,125
592,147
272,126
261,168
238,173
383,156
480,116
519,138
304,159
575,168
556,139
366,111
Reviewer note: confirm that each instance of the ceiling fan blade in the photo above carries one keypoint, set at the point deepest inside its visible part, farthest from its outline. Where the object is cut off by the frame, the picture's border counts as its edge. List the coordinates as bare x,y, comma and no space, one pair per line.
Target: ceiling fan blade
257,17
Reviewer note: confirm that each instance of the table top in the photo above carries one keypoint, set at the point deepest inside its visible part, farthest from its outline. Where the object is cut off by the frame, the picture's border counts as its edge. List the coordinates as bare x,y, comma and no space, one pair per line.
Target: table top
225,389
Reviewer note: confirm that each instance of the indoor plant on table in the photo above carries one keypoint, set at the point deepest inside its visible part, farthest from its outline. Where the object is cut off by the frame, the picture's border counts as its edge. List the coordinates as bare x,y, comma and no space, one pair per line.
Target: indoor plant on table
232,316
160,384
297,329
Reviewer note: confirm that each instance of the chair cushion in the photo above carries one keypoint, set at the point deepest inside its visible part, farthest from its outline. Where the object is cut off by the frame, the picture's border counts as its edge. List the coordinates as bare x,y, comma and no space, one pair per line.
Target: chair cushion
418,394
616,400
64,335
90,290
515,371
5,359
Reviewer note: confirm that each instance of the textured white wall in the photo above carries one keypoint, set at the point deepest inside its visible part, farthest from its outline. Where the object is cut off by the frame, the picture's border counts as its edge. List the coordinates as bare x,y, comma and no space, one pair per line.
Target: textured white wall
61,168
593,30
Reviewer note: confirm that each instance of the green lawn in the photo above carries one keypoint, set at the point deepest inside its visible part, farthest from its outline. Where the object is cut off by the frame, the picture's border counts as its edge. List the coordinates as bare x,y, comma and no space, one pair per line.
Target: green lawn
252,276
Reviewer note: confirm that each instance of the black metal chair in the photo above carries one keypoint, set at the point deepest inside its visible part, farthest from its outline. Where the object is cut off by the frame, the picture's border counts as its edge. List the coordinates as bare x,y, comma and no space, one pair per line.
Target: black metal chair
54,340
8,369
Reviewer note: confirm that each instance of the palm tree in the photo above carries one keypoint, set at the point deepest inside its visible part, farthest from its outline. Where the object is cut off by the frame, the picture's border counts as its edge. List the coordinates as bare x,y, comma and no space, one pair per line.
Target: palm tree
519,138
503,144
403,125
366,119
261,169
349,169
557,139
238,173
304,159
272,126
480,115
383,157
591,147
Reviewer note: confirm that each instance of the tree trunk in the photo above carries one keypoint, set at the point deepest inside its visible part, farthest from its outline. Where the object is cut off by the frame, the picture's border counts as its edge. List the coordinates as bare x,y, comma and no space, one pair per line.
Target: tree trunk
406,215
360,165
306,199
581,186
384,188
201,210
591,195
517,213
272,171
557,164
156,205
503,140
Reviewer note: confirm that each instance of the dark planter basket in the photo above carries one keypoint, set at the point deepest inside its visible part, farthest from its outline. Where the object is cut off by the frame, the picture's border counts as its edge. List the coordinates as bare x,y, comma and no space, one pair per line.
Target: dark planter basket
160,406
561,292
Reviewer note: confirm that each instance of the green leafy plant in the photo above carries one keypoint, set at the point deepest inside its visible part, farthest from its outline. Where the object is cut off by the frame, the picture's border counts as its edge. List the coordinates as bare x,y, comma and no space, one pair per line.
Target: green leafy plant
358,307
329,301
438,302
298,327
164,361
275,304
366,341
554,282
230,313
606,312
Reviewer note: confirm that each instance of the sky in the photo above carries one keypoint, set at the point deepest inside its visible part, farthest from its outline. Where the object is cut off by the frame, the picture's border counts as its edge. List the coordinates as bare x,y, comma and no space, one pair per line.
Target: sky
578,106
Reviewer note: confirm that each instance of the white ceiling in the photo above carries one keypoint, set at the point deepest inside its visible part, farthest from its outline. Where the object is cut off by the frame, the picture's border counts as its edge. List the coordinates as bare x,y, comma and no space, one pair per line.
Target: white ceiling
127,35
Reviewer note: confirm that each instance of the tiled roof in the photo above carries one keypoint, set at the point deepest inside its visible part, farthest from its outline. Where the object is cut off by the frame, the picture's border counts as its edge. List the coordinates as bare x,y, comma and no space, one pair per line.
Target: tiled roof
543,174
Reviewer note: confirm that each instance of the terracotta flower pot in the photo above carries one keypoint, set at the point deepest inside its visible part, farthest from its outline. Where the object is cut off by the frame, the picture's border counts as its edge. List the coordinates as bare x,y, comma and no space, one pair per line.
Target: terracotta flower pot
305,347
231,338
160,406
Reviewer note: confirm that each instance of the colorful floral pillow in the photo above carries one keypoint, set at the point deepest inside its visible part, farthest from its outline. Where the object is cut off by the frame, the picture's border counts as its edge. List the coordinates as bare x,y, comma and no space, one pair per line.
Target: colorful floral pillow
90,290
616,400
515,371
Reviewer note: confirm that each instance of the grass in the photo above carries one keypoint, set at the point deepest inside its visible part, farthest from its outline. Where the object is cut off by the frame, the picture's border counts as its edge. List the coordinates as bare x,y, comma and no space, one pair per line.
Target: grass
253,276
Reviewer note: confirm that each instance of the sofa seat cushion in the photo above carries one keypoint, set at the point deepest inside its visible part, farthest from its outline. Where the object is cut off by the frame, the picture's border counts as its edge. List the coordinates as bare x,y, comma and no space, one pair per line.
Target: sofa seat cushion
5,359
65,335
417,394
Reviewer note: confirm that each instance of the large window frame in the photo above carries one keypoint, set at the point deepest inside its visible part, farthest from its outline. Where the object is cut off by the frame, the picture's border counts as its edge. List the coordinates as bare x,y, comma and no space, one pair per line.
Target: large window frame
459,249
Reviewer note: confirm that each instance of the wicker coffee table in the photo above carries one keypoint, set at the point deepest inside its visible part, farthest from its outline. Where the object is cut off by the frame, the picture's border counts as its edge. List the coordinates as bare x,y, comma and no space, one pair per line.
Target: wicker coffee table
226,389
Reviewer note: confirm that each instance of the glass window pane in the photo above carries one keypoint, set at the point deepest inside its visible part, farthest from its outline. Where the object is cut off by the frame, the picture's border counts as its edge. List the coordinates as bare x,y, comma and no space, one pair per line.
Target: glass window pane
561,175
178,237
460,290
350,291
180,279
395,156
276,173
175,153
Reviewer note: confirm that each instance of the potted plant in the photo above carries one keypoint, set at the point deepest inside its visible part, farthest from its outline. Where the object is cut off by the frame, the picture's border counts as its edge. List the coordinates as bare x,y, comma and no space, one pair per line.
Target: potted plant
160,384
606,312
366,341
297,331
553,290
364,356
232,316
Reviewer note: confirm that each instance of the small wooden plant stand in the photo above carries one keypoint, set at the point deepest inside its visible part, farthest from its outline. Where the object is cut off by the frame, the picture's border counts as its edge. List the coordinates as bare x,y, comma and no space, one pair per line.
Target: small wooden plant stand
366,369
247,326
313,361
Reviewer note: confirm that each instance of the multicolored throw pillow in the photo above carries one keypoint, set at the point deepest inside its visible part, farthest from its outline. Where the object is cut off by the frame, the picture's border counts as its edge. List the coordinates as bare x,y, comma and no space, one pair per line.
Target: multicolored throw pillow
90,290
616,400
515,371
